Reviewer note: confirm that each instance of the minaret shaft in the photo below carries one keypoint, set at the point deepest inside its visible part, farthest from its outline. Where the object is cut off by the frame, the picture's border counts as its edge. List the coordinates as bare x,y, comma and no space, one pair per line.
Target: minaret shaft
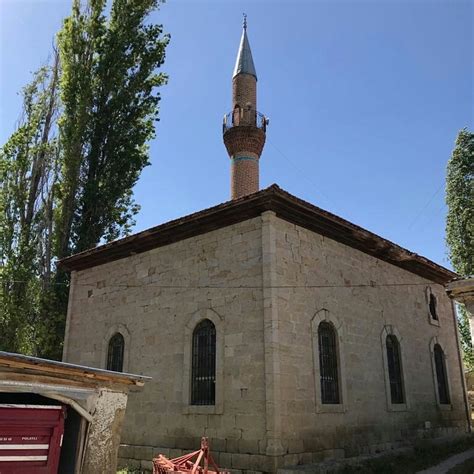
244,127
244,175
244,91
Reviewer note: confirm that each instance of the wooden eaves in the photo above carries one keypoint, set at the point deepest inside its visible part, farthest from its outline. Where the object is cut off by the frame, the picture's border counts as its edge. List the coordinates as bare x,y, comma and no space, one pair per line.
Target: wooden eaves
287,207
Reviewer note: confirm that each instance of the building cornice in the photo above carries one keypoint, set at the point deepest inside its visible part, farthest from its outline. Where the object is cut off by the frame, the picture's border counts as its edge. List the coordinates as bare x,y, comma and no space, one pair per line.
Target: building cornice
287,207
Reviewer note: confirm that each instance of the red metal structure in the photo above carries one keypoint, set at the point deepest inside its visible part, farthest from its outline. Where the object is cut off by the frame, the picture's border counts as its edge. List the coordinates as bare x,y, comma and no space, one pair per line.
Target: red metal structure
30,438
189,463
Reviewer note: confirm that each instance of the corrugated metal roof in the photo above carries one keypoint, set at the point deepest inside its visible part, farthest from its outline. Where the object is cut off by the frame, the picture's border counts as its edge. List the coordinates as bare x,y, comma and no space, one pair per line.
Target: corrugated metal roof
10,359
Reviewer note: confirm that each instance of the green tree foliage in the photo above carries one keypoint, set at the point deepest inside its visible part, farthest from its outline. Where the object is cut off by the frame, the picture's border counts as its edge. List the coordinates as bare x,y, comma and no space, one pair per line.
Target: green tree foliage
61,195
28,174
465,332
110,105
460,222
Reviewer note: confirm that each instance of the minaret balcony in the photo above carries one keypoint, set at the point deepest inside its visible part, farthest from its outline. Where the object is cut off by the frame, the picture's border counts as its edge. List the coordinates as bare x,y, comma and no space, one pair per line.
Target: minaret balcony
244,118
244,131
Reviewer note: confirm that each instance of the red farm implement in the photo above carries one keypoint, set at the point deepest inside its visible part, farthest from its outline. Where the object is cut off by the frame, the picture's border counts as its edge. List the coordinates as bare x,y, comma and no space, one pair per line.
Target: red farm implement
189,463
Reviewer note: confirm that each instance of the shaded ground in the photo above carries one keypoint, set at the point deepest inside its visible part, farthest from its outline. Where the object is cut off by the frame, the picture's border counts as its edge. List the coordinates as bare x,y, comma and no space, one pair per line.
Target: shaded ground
424,455
453,462
425,458
467,467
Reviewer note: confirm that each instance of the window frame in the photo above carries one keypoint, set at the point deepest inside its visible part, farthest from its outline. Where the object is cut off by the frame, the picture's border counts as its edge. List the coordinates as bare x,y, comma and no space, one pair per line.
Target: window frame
394,362
325,316
435,341
428,295
328,364
110,355
202,363
438,354
387,331
194,320
123,330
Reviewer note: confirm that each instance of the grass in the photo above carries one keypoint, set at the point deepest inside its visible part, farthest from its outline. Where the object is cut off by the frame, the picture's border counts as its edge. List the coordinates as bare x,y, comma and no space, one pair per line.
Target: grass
131,471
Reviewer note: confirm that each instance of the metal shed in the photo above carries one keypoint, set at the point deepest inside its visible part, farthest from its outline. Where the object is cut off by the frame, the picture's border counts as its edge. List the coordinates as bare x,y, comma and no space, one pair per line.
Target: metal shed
60,417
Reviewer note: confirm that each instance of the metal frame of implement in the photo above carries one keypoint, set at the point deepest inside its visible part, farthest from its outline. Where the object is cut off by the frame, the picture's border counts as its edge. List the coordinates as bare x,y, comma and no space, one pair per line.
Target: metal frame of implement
185,464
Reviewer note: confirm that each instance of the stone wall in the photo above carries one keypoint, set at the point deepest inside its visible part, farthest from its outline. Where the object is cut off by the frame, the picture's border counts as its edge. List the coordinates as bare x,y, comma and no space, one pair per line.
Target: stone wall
361,296
266,284
155,299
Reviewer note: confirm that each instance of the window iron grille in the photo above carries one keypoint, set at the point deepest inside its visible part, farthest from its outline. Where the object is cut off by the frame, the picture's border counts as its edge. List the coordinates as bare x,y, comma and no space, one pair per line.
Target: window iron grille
328,368
115,353
441,376
395,370
203,374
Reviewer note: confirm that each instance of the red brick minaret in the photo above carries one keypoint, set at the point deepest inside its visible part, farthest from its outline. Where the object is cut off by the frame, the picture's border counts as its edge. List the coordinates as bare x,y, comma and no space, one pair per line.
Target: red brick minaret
244,127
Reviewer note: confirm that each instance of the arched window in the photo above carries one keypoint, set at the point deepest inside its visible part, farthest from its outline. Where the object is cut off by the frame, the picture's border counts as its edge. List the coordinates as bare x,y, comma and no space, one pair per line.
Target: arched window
203,374
115,353
441,376
394,369
432,306
328,368
236,115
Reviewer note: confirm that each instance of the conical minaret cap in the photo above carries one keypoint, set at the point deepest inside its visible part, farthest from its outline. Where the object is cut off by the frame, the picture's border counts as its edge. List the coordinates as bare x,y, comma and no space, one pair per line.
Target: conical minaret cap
244,63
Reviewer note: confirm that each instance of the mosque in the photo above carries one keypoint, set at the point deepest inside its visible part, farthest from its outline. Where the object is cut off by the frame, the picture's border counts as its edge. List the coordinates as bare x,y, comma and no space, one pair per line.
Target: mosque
284,333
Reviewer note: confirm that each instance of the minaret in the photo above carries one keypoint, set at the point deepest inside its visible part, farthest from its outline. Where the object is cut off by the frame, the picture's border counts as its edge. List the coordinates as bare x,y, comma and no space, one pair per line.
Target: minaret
244,127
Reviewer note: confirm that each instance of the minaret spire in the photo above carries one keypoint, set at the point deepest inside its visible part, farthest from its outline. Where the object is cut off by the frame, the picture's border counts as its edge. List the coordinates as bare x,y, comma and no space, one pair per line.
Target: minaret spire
244,62
244,128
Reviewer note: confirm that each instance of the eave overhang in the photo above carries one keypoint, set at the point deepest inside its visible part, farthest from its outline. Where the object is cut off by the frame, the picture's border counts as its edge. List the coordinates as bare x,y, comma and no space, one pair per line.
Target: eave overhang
287,207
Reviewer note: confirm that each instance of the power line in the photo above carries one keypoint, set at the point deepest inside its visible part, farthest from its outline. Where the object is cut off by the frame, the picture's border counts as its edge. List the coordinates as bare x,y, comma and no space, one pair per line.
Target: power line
303,174
425,206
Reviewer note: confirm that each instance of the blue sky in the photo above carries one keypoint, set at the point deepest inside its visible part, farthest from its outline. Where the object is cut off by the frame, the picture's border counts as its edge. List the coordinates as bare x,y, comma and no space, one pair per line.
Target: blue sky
365,99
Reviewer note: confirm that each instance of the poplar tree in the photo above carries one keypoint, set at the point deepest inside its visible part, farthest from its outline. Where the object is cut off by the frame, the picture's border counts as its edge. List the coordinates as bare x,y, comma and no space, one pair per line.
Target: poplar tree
460,223
109,93
65,192
28,176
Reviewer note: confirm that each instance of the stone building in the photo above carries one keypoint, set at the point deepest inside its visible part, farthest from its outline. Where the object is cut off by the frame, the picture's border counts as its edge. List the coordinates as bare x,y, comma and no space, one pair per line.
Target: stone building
282,332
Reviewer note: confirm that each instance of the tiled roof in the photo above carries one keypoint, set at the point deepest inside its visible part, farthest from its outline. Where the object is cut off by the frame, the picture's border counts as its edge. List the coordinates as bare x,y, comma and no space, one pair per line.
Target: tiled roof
287,207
